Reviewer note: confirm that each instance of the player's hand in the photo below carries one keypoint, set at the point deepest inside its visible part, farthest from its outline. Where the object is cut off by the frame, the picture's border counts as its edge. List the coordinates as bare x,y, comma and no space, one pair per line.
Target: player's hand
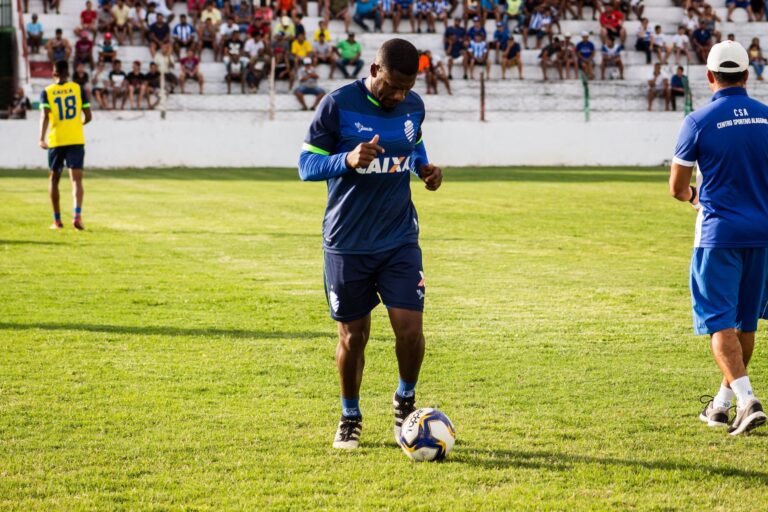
432,176
43,144
364,153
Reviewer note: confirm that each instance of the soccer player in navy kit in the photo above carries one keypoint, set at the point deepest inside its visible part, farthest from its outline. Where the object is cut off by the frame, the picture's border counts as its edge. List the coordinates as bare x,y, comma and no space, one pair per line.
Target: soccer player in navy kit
365,142
729,267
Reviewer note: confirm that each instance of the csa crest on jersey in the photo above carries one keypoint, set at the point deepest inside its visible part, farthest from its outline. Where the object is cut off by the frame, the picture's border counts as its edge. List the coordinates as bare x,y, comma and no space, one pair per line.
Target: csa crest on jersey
410,130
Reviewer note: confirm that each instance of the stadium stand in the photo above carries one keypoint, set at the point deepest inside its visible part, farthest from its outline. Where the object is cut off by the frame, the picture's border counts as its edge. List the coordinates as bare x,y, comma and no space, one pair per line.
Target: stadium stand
610,96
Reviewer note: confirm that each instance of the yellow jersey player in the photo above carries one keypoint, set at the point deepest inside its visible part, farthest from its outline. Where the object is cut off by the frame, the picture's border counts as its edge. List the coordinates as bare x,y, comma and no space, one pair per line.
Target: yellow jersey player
65,108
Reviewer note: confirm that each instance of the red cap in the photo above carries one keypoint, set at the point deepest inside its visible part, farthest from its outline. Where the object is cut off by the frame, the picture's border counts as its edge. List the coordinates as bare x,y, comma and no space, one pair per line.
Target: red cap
107,36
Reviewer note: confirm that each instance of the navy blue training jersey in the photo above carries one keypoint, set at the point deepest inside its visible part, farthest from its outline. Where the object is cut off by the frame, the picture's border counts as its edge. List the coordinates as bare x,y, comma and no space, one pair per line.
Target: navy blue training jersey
369,209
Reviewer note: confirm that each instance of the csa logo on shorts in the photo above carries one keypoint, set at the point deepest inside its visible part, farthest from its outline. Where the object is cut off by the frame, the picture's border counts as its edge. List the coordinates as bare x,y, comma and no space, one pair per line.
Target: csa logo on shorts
420,287
410,130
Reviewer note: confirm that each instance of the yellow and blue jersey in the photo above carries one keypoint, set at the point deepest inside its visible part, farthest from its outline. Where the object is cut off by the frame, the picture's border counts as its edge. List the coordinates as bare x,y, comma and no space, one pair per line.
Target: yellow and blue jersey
65,103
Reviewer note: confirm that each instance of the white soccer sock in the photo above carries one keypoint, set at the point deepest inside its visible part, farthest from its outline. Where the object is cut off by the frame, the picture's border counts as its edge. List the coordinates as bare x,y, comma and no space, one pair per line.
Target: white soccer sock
743,390
724,397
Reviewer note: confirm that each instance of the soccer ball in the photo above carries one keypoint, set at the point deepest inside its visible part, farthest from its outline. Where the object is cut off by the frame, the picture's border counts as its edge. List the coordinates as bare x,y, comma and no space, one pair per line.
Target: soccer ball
427,434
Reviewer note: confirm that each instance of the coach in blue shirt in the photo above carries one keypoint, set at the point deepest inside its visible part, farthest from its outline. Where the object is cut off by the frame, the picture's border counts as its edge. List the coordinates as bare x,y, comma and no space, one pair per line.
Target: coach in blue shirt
728,139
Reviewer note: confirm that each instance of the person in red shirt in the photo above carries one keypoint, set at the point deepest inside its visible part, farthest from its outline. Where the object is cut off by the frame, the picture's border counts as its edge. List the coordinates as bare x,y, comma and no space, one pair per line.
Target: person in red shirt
190,70
84,50
88,20
612,24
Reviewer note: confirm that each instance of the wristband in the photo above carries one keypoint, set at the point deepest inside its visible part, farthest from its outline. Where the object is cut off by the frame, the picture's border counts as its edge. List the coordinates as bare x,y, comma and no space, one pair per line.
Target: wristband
693,194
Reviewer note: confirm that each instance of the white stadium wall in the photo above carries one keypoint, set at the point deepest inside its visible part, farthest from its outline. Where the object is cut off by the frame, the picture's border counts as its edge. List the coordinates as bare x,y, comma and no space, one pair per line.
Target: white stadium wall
224,140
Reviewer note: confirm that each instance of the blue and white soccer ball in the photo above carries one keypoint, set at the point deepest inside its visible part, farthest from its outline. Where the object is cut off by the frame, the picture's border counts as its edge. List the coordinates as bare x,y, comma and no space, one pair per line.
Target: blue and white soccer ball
427,434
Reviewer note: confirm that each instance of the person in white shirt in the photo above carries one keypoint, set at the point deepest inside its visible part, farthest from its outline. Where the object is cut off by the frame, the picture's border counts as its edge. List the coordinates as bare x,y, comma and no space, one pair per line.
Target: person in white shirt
226,31
612,57
162,8
323,53
659,44
658,86
254,46
681,45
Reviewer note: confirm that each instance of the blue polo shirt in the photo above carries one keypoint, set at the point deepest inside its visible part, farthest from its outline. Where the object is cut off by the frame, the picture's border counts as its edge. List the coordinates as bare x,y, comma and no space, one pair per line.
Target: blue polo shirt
586,49
369,209
729,140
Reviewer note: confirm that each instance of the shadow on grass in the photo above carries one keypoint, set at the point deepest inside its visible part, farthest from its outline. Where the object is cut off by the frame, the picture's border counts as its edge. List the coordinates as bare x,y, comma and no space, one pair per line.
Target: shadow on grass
555,461
464,174
161,330
27,242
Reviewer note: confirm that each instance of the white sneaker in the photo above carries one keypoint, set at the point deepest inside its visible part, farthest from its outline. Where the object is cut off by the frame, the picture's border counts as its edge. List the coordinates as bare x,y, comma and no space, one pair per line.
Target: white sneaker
711,415
348,433
748,418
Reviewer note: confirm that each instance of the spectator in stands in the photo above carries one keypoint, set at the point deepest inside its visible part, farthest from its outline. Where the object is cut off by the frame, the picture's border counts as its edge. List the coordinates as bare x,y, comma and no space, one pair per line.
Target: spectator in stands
477,28
637,7
677,86
440,10
254,45
184,36
101,86
424,13
34,34
136,16
107,49
256,71
681,45
81,78
731,37
403,9
756,59
500,41
19,106
336,10
349,52
207,37
89,20
569,59
472,9
58,48
454,51
659,45
287,27
612,24
52,4
323,54
644,36
710,19
298,25
597,6
235,59
152,79
701,42
284,68
308,85
739,4
137,86
301,49
611,57
516,12
244,15
457,30
165,61
658,87
490,8
367,10
434,73
189,69
117,84
121,16
159,34
540,25
550,56
84,50
758,9
161,7
585,53
690,21
194,8
211,13
104,21
150,16
477,56
512,56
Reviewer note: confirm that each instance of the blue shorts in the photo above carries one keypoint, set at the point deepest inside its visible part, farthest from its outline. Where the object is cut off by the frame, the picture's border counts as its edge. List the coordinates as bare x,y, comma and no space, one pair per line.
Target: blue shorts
71,156
729,288
312,91
354,282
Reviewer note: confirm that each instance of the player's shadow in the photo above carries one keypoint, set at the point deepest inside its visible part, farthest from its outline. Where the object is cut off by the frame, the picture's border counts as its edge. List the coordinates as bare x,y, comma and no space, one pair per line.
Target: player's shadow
557,461
162,330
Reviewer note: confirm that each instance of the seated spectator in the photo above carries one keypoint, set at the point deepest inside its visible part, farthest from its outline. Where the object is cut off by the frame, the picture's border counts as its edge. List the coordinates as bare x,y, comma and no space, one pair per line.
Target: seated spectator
739,4
84,50
150,17
540,25
101,86
159,34
454,51
349,51
710,19
678,85
165,61
367,10
701,42
308,85
336,10
732,37
637,7
190,70
612,24
118,86
681,45
644,36
301,49
457,29
324,54
211,13
89,20
658,86
403,9
472,9
235,60
322,30
284,65
287,27
585,53
194,8
52,4
690,21
434,72
184,36
550,56
121,15
515,11
136,21
440,11
107,49
512,56
477,55
424,13
137,86
58,48
758,9
257,71
756,59
298,25
597,6
659,45
569,59
34,34
207,37
244,15
104,20
161,7
19,106
612,57
153,81
500,41
81,78
476,28
254,46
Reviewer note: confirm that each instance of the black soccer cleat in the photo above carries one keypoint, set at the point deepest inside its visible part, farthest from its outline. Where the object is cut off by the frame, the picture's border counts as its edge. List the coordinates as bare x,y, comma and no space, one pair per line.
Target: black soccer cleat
403,407
748,418
348,433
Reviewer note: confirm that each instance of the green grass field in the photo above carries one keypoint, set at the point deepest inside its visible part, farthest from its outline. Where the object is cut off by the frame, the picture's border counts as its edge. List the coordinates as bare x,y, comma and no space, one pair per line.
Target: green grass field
178,355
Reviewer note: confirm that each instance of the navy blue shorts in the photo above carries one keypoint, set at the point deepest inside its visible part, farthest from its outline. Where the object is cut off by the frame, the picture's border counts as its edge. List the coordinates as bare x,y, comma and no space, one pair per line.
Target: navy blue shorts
729,289
354,282
73,157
